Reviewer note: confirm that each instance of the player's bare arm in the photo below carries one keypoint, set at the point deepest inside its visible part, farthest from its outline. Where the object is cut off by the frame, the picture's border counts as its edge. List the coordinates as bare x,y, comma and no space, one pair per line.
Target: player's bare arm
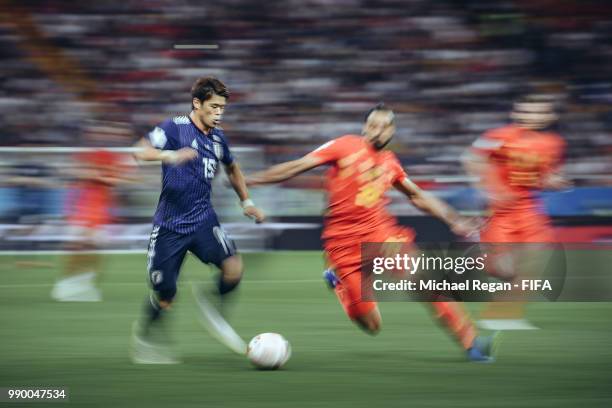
116,180
237,180
283,171
93,173
146,152
119,178
437,208
110,180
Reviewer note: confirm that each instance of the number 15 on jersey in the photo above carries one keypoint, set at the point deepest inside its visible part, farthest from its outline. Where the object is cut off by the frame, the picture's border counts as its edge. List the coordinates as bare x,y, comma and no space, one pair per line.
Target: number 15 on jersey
210,167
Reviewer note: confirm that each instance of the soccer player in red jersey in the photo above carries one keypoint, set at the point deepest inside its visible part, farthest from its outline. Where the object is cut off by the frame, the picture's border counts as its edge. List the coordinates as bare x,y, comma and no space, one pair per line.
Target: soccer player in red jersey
360,174
89,210
514,164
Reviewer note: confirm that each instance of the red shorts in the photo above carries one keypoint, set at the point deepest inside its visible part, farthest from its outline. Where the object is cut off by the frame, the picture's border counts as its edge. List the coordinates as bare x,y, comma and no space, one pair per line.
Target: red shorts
344,256
521,227
528,227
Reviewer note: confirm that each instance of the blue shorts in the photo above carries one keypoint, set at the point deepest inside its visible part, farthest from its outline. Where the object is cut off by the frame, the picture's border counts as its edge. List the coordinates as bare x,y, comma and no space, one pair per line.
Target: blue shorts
167,250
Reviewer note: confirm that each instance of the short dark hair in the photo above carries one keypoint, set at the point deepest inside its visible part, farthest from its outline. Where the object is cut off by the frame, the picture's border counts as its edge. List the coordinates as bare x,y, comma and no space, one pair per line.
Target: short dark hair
204,88
380,107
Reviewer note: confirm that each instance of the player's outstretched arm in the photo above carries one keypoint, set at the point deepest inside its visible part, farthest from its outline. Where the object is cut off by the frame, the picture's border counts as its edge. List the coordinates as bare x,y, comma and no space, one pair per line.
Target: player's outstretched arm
237,180
283,171
146,152
437,208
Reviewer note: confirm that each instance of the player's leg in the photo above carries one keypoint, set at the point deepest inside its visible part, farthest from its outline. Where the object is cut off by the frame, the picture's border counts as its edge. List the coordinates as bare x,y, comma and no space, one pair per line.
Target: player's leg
86,239
451,315
496,239
344,270
506,311
366,316
212,245
456,320
364,313
370,322
230,275
166,253
343,258
82,267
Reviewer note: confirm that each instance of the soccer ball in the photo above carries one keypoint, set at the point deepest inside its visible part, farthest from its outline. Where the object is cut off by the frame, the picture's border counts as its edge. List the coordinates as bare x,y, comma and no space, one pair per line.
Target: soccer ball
269,351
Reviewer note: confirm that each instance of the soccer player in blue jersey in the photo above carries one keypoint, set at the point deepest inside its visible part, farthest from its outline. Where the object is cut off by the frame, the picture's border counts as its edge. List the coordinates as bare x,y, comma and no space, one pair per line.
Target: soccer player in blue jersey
191,148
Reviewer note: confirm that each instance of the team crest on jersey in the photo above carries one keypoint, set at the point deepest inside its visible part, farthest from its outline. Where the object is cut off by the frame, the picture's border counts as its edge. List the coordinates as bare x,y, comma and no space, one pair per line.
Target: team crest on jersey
156,277
158,137
194,144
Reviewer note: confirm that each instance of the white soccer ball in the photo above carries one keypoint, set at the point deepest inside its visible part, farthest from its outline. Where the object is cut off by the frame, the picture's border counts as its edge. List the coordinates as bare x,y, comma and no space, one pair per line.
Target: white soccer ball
269,351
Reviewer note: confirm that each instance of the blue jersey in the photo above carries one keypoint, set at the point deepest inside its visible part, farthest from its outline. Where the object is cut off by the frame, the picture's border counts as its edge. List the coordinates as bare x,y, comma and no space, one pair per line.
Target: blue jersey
184,203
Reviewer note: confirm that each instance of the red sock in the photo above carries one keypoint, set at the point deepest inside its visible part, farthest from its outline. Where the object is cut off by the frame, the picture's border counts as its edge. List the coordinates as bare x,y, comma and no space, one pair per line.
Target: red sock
456,319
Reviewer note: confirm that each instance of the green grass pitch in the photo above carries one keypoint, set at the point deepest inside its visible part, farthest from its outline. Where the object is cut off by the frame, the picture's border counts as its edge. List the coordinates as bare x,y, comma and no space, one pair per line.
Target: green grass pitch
412,363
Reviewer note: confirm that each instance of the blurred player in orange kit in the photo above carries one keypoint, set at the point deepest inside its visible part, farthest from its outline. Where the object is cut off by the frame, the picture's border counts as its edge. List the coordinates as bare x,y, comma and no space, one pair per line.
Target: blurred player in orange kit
89,210
361,173
514,164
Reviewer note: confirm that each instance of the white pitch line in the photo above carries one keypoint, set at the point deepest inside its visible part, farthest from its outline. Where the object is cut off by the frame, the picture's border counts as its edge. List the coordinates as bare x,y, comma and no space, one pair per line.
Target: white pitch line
73,149
97,251
66,252
256,282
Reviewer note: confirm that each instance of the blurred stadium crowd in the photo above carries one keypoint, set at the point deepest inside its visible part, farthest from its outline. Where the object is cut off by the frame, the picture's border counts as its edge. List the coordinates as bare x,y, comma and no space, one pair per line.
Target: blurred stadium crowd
304,71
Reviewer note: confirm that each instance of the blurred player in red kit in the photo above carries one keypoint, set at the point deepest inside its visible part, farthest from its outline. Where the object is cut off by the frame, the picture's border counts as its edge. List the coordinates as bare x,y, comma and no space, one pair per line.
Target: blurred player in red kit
514,164
89,209
361,173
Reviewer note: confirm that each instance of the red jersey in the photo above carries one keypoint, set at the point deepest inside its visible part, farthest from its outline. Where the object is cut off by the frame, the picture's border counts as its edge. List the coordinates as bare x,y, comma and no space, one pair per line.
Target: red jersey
357,182
521,160
93,199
